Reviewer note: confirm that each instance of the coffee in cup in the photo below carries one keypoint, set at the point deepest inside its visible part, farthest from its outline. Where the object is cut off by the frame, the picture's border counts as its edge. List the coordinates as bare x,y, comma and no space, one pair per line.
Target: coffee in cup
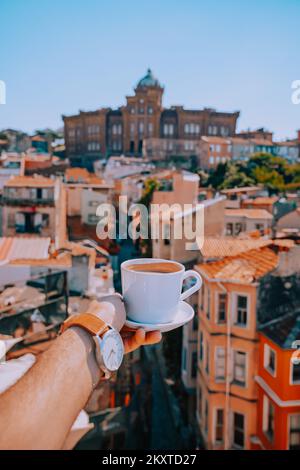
152,289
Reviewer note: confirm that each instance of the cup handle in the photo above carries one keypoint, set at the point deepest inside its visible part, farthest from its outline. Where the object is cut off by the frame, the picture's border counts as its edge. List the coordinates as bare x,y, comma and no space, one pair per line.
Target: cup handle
193,289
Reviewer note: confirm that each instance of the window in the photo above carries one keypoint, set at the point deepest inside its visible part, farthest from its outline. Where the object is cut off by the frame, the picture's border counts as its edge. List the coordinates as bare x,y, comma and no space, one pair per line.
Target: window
184,359
92,219
189,145
207,359
295,373
270,359
168,129
45,220
202,296
219,425
220,364
238,430
150,128
191,128
241,310
194,365
294,437
206,417
199,403
201,345
222,306
150,110
132,128
208,303
211,160
141,127
229,229
268,418
195,319
238,228
239,368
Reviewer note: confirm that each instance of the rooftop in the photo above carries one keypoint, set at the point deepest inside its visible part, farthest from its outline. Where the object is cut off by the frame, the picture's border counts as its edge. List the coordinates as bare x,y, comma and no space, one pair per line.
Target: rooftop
259,201
244,268
29,181
245,189
149,80
223,247
28,248
216,140
249,213
284,330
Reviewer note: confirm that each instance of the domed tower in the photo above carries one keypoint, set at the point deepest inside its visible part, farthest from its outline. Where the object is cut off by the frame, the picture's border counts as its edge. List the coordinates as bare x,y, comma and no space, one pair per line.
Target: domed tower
150,85
142,113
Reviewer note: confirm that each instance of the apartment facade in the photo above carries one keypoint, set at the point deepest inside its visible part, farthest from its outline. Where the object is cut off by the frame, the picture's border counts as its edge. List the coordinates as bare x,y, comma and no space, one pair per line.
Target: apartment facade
213,151
180,195
227,348
242,221
34,205
278,385
104,132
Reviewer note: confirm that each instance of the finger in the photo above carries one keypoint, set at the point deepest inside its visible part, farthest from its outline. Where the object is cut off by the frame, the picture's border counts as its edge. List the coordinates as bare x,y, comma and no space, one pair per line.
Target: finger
153,337
135,341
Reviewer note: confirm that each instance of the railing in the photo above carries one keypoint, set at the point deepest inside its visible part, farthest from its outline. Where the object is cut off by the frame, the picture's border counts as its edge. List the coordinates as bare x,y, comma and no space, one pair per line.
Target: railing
19,201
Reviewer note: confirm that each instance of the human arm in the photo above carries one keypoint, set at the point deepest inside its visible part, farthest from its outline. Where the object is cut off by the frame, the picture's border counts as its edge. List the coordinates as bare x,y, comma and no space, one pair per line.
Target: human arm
39,410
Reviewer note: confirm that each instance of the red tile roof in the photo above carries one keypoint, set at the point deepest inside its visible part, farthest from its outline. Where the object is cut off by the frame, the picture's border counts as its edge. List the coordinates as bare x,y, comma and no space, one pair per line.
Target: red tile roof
244,268
223,247
249,213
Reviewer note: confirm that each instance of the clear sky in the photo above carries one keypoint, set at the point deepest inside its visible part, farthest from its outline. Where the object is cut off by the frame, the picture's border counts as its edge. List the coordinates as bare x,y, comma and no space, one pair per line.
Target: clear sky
59,56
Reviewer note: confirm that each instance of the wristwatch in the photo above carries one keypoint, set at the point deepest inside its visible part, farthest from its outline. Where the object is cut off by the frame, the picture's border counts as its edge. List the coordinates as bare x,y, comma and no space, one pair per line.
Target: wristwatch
109,348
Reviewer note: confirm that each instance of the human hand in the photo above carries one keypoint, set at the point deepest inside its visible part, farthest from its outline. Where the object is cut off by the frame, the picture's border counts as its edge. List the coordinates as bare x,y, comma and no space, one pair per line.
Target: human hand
134,339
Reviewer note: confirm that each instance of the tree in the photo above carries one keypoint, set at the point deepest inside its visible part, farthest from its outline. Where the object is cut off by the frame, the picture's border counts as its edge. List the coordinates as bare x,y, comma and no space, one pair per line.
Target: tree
150,186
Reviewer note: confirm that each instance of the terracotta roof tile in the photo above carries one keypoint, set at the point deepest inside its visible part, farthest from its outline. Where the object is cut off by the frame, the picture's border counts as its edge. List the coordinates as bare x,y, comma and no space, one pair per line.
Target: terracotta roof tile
25,248
30,181
223,247
261,201
249,213
245,268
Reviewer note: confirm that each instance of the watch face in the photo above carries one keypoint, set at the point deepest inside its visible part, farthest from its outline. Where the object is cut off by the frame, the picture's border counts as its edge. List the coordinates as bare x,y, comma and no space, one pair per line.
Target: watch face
112,350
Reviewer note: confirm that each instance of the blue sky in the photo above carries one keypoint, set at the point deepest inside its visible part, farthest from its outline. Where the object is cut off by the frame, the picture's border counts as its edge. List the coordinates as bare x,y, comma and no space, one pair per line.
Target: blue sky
59,56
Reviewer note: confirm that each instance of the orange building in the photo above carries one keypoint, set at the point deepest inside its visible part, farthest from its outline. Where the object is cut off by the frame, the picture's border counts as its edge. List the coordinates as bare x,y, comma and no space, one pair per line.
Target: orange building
278,382
240,294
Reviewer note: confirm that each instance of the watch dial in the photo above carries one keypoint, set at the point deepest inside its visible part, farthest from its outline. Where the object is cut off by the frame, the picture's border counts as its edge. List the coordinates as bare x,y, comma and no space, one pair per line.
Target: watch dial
112,350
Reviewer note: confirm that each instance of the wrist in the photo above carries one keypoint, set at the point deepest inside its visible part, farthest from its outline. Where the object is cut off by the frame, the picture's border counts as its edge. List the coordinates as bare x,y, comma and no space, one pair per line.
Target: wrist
90,358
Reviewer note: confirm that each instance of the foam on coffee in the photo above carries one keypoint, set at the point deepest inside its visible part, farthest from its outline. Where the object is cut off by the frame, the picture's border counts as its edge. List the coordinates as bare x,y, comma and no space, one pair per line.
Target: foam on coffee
161,268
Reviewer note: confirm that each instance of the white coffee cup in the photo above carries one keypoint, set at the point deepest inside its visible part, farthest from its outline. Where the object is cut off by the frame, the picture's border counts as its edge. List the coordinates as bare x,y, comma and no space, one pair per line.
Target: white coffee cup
153,297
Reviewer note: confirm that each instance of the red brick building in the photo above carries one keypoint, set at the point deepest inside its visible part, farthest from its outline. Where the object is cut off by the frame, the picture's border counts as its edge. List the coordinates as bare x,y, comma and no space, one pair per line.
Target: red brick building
104,132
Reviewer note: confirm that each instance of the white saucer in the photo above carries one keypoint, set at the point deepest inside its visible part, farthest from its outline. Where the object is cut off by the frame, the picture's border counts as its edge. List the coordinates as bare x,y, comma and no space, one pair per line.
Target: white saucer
184,314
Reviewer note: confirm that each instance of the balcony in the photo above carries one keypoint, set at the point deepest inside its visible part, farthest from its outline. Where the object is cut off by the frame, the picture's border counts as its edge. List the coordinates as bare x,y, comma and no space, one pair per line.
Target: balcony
20,201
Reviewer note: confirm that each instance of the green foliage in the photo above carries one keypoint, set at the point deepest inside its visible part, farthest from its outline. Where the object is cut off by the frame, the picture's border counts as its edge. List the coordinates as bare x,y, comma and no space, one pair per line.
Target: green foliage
274,173
151,185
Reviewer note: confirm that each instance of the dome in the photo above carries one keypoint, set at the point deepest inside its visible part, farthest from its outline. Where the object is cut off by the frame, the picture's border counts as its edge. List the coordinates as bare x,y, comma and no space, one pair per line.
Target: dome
148,80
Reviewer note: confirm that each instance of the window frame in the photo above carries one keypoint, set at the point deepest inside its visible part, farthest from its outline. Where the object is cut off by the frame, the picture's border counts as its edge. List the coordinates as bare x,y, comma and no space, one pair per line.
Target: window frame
217,301
235,381
219,379
215,424
235,311
267,351
289,430
267,406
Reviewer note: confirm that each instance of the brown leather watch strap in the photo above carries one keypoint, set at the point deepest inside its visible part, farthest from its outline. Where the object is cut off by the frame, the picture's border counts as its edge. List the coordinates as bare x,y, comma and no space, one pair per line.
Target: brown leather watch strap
88,322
